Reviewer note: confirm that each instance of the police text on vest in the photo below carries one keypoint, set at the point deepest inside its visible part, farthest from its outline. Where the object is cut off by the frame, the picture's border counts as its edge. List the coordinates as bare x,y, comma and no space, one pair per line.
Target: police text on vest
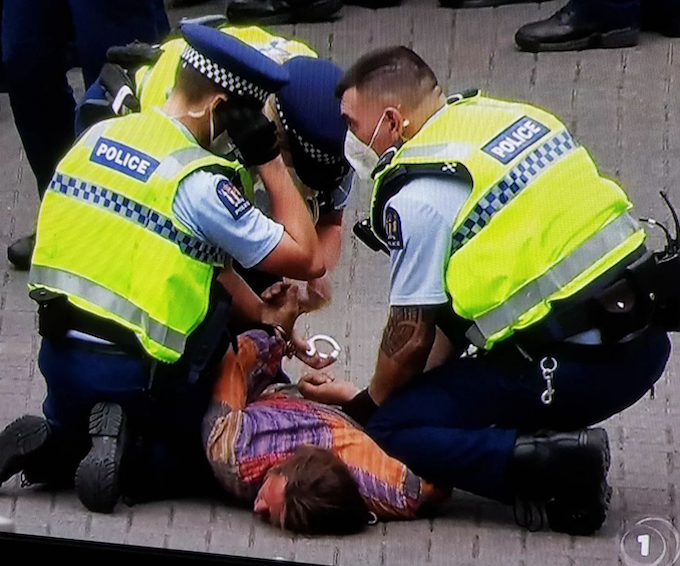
124,159
515,139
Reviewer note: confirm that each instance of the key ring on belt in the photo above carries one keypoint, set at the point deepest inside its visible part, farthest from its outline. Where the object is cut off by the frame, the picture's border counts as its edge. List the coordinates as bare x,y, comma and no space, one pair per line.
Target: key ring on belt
548,367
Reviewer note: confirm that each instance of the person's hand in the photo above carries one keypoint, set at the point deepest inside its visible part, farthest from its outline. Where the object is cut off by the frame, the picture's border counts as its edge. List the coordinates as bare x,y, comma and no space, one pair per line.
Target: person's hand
134,55
315,295
118,85
281,306
315,361
322,388
251,131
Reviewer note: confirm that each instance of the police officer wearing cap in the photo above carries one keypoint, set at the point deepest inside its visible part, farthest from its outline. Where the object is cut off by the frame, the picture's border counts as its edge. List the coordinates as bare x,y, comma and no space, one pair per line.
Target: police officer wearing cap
310,131
311,135
502,235
138,221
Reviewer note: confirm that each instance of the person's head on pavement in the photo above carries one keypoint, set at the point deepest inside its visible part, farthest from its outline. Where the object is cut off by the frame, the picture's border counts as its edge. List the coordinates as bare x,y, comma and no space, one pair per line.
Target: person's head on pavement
312,493
218,76
386,97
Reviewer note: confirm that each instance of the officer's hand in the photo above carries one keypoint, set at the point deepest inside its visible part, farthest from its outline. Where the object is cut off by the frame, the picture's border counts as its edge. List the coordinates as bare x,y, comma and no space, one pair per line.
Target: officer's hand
312,295
118,85
133,55
281,306
250,130
316,294
322,388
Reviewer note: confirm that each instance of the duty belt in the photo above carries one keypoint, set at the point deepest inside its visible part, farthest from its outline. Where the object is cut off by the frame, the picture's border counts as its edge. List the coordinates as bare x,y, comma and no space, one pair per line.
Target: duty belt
56,316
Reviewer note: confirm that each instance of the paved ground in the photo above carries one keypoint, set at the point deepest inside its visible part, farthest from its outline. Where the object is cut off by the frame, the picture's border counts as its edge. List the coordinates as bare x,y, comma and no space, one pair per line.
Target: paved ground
622,104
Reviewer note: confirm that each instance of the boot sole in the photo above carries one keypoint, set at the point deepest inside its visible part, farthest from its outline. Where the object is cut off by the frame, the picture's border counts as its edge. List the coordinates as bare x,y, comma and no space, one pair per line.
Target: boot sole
628,37
583,508
98,475
20,439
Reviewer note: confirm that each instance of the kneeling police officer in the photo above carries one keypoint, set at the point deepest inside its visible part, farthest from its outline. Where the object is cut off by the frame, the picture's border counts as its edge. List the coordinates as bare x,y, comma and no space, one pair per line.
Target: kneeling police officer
306,113
137,222
502,234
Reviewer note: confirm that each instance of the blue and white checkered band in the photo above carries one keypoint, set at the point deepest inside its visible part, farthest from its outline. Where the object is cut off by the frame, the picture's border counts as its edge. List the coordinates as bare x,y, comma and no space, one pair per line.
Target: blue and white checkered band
511,185
219,75
311,150
139,214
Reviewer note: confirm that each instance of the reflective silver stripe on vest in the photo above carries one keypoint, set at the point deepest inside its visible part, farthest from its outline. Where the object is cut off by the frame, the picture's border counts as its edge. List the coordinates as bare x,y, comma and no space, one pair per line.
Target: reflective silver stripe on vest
511,185
109,301
175,162
93,134
449,150
138,214
591,251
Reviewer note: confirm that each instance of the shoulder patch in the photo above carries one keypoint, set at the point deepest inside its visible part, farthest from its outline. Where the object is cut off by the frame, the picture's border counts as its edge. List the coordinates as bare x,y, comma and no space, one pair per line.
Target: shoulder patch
232,198
395,240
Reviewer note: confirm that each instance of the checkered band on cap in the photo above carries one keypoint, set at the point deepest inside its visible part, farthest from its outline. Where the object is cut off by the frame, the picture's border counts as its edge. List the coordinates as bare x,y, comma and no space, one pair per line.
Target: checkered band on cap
309,148
226,79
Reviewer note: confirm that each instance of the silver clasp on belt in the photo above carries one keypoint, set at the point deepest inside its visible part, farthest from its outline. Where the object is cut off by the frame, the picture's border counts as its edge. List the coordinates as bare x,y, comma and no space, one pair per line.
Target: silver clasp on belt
548,368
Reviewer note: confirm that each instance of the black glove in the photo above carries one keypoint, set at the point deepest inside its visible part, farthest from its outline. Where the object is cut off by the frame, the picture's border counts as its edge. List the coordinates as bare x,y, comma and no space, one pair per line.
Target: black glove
119,87
250,130
134,55
322,177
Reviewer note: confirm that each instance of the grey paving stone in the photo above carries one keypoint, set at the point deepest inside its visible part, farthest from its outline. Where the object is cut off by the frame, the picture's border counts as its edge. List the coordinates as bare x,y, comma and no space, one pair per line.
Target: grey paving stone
195,540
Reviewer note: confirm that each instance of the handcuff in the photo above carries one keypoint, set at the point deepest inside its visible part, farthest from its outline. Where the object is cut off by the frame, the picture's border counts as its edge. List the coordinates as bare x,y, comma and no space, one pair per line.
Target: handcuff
311,344
323,338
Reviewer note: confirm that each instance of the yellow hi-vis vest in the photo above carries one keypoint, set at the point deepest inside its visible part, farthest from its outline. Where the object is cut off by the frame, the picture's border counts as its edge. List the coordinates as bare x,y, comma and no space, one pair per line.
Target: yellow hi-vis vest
540,223
108,239
154,83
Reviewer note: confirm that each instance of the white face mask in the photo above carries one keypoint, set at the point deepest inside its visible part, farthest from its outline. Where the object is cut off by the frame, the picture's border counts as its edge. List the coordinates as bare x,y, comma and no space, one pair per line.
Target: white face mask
212,121
360,156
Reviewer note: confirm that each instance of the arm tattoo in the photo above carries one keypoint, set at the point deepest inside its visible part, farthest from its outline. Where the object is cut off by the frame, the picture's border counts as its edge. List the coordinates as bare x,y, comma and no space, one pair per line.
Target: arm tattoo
403,325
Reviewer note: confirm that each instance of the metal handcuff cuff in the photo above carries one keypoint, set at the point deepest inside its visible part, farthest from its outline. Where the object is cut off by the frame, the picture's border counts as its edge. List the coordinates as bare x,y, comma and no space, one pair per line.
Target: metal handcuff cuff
311,345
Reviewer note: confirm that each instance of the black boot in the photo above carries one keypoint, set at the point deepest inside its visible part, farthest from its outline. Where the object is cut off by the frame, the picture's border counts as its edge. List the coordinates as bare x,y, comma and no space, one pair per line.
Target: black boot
277,12
98,477
565,474
481,3
662,16
19,442
21,252
584,24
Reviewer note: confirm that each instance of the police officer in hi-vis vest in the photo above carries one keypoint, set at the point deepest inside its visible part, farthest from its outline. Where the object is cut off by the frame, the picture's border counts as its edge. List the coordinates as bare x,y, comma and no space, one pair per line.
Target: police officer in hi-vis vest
138,221
502,235
307,117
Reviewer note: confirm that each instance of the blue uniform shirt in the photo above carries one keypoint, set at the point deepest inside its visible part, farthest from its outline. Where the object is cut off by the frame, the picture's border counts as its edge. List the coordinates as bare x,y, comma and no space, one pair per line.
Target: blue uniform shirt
418,221
216,211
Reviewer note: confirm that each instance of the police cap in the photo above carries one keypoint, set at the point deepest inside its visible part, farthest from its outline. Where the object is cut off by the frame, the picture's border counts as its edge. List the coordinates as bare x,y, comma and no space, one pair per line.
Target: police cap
232,64
310,111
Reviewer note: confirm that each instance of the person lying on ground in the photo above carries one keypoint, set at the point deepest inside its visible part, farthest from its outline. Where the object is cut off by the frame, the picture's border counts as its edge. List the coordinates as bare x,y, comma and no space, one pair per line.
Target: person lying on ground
303,466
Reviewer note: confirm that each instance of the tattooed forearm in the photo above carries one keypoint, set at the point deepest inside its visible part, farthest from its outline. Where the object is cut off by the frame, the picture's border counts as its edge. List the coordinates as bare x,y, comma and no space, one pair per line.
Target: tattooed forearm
404,325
